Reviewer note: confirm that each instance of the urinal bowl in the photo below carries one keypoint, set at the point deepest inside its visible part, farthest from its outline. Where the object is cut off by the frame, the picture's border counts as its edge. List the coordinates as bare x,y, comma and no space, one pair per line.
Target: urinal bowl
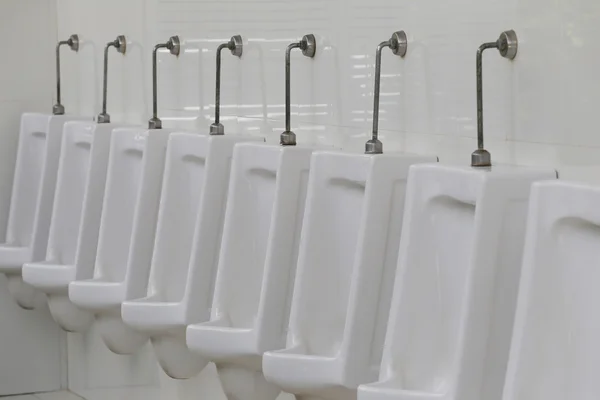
254,277
31,200
77,205
455,291
126,237
348,252
187,241
555,352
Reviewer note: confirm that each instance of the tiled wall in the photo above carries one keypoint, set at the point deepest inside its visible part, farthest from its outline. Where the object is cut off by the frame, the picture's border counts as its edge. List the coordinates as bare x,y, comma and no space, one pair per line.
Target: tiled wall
539,109
30,342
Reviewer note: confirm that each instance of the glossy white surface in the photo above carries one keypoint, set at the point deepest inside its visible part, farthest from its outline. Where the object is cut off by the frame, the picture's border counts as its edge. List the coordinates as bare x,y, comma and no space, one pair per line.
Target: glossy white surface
454,298
73,237
347,257
130,208
554,353
32,200
541,117
188,236
539,108
256,266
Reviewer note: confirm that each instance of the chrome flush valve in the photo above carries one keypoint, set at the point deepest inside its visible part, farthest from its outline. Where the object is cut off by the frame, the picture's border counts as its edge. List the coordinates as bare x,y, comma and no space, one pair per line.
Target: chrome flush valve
236,46
508,45
73,44
308,45
120,43
398,44
174,47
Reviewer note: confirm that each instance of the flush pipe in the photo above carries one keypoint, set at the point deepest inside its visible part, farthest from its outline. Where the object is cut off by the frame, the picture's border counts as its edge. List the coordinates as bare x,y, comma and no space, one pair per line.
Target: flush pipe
120,44
308,45
236,46
174,47
398,44
73,43
507,44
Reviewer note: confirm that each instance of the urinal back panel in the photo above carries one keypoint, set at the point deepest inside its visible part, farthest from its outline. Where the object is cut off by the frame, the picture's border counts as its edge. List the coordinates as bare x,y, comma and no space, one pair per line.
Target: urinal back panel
455,292
246,232
95,187
555,352
438,272
183,182
33,142
70,190
122,187
330,238
34,185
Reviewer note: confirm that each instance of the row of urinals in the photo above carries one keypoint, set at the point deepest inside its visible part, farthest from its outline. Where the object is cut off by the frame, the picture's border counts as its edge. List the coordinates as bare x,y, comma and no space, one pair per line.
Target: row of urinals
322,273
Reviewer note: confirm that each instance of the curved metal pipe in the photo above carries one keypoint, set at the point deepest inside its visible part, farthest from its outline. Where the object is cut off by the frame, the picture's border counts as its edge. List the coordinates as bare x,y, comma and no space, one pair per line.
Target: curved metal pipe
398,43
73,43
173,44
120,44
235,45
308,45
507,44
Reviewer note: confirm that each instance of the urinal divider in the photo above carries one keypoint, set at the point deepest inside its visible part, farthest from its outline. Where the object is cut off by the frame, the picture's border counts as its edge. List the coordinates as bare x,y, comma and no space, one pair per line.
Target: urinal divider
398,44
308,45
73,43
507,44
236,46
174,47
120,44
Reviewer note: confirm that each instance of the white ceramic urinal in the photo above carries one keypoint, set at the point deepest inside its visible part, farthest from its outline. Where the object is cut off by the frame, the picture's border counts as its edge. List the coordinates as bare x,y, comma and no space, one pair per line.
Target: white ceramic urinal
126,238
256,266
455,291
190,224
342,290
555,354
32,199
75,222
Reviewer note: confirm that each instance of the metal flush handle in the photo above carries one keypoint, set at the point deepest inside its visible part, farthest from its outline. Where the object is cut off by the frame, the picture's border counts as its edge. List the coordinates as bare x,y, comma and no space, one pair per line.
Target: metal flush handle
73,43
120,43
308,45
507,44
236,46
174,47
398,44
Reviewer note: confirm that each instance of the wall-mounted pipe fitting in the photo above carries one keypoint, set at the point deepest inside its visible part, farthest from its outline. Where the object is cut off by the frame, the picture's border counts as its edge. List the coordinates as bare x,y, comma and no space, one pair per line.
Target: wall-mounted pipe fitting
120,44
398,44
236,46
308,45
174,47
508,45
73,43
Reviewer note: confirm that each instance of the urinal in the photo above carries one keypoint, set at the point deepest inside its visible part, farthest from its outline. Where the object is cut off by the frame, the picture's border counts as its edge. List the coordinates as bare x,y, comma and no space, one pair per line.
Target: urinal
458,272
348,253
455,291
126,236
555,353
261,232
73,237
128,224
31,200
190,223
75,223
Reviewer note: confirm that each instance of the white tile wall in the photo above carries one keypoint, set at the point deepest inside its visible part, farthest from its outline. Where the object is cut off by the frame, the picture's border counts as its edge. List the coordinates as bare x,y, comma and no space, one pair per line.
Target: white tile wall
30,342
539,109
